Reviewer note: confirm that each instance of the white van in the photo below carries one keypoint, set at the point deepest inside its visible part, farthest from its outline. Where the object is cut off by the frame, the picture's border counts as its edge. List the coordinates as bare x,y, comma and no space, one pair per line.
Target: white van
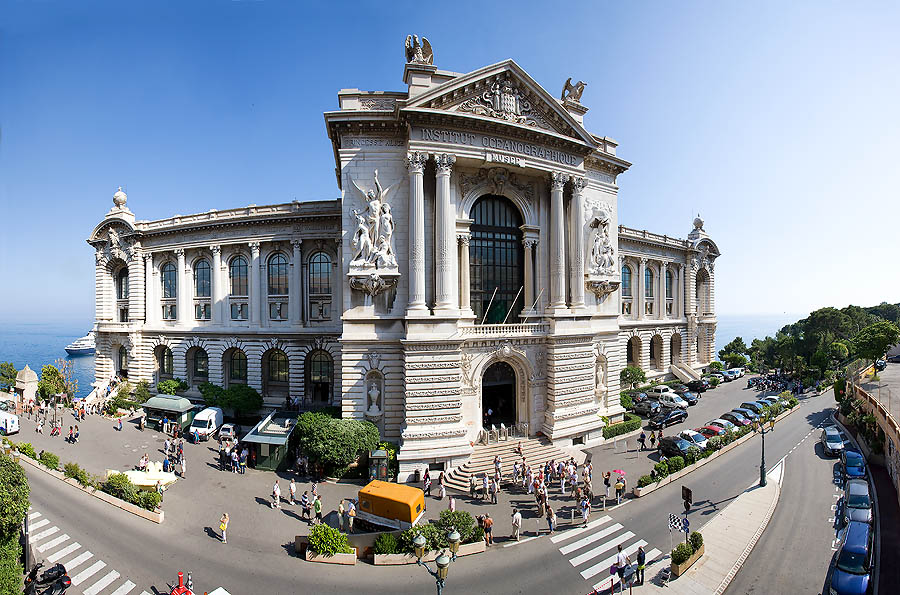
206,423
672,401
738,372
9,423
660,390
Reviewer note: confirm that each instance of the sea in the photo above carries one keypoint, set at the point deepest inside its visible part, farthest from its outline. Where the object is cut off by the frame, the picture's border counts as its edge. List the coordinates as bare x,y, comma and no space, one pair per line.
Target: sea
38,344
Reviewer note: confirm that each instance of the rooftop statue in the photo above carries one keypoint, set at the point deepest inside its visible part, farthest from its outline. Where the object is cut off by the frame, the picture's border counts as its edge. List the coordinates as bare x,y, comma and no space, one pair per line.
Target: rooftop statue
418,54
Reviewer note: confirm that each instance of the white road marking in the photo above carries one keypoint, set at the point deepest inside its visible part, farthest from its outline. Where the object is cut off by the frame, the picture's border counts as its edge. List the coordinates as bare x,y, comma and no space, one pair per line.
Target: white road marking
79,560
33,515
38,525
53,543
604,565
43,534
512,543
126,588
589,539
63,552
88,572
573,532
102,583
615,578
594,552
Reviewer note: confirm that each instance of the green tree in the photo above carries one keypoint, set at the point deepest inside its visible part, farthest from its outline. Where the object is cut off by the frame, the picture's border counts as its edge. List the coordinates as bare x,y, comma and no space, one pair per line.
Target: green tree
8,374
839,352
142,391
67,373
873,341
51,382
716,366
213,394
242,399
737,345
734,360
167,387
14,494
334,442
632,375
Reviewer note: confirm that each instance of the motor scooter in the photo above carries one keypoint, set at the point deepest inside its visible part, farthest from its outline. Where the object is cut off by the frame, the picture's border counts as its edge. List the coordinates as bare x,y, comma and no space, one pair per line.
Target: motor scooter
53,581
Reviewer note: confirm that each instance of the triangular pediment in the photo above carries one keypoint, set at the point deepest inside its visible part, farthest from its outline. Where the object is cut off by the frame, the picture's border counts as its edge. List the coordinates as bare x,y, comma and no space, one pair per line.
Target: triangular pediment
504,92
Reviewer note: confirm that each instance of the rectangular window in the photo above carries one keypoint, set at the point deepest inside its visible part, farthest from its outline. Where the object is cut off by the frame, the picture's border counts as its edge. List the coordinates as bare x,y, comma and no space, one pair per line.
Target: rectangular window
239,311
169,312
123,315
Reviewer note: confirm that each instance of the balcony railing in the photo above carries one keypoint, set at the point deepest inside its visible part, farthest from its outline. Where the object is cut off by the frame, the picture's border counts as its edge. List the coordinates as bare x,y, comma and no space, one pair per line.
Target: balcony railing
527,329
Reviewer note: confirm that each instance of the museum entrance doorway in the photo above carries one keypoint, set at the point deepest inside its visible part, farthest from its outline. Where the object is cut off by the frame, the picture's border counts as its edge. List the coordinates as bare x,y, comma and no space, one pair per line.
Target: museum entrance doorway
498,395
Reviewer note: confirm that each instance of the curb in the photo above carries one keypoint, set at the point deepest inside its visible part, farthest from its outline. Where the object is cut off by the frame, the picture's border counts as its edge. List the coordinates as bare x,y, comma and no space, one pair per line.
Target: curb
156,517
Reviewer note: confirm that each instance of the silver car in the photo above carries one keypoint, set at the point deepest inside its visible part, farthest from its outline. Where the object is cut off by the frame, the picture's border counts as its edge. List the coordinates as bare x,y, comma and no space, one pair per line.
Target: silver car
857,502
831,440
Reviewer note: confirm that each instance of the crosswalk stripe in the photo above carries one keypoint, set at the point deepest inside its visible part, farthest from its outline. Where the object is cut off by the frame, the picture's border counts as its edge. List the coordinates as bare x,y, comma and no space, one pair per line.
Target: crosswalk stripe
102,583
38,525
145,593
615,578
43,534
33,515
605,565
590,539
63,552
594,552
79,560
53,543
126,588
88,572
573,532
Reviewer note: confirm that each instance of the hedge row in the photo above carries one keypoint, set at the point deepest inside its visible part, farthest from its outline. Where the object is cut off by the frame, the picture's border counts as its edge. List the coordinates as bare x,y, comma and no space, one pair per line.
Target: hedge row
632,422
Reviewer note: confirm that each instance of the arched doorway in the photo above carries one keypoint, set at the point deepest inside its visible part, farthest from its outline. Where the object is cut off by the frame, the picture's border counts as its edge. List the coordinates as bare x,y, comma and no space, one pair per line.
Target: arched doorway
197,361
633,352
656,347
496,258
275,377
164,361
498,395
675,350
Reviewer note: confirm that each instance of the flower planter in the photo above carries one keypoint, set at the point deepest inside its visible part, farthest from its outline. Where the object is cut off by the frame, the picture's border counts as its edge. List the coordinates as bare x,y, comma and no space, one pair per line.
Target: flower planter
679,569
396,559
343,559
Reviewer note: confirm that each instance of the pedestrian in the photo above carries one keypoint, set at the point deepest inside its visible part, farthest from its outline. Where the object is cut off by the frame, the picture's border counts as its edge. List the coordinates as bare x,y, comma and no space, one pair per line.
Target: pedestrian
293,492
622,561
427,485
641,562
452,504
120,424
472,486
304,507
488,529
315,490
494,489
642,440
341,516
606,484
585,510
223,525
71,437
442,490
183,467
620,487
484,485
351,515
652,440
276,495
234,460
159,490
243,462
551,518
317,508
166,446
75,438
659,437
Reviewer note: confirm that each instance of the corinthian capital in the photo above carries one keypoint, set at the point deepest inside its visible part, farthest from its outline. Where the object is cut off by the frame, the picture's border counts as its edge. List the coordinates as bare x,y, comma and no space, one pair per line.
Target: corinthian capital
179,252
558,180
416,161
216,249
444,163
578,185
254,248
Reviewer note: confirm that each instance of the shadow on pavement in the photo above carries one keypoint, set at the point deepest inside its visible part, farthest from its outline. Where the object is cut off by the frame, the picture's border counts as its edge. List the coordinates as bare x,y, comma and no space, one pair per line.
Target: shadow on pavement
209,531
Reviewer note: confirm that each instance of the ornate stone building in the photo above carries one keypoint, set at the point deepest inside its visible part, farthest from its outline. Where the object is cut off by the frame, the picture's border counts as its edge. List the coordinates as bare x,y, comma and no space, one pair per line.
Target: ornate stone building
473,273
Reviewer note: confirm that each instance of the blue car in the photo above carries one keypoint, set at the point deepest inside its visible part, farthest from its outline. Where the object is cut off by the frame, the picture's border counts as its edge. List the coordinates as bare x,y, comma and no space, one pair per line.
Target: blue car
855,561
853,464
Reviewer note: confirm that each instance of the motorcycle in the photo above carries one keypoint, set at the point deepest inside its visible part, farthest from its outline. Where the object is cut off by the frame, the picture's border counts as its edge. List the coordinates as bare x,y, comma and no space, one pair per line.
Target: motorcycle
53,581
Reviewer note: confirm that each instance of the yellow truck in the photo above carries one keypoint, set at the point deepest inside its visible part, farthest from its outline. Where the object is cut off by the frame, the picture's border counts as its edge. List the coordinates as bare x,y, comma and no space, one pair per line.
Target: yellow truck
393,505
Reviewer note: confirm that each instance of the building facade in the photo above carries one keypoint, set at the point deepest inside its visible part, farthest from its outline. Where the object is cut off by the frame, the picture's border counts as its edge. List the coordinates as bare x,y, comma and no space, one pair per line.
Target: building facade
473,274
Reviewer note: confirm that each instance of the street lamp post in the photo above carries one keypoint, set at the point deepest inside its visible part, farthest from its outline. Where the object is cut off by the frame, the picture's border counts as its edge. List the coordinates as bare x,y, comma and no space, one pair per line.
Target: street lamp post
442,562
762,464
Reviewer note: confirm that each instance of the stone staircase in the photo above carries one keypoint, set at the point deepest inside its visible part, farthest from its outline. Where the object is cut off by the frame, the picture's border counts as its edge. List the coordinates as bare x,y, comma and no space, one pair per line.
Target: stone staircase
536,450
684,373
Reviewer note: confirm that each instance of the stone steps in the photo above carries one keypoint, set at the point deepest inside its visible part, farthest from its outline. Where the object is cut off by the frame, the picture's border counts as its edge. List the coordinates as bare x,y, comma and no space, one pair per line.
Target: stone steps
536,451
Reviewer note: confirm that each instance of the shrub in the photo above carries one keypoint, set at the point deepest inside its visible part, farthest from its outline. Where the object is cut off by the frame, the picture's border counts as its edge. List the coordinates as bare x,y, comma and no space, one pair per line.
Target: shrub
10,569
626,401
74,471
675,464
14,492
119,486
328,541
645,480
147,500
792,402
716,366
631,375
26,449
660,470
706,453
714,381
692,455
49,460
386,543
435,539
242,399
142,392
681,553
213,394
715,443
696,540
477,535
460,520
167,387
334,442
840,389
632,422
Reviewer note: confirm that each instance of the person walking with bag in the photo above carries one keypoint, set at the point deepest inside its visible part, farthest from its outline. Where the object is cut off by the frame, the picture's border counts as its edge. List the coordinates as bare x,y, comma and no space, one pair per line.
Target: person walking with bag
276,495
516,523
351,515
223,526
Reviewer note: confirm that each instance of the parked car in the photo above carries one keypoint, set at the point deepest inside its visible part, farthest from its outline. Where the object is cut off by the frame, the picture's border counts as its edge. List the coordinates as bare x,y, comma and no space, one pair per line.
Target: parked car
853,464
857,502
754,406
726,375
206,423
737,372
748,413
894,359
698,439
228,432
647,407
689,397
720,376
674,446
768,400
667,418
831,440
736,418
725,424
880,364
700,386
639,397
855,561
680,388
711,431
660,390
672,401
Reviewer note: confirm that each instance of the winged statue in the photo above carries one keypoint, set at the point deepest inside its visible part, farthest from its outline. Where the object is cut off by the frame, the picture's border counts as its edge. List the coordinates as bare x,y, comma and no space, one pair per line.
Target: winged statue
573,92
373,238
418,54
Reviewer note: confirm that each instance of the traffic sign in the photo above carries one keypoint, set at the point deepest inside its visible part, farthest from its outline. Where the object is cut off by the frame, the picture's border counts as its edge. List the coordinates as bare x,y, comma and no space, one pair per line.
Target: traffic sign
687,495
686,526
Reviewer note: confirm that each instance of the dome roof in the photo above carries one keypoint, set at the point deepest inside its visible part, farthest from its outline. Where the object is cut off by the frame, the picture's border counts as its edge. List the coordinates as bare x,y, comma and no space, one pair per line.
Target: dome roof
26,374
120,198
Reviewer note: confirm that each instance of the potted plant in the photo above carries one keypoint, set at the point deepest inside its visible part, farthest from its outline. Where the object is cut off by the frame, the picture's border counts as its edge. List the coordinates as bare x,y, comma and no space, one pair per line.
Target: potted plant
685,554
328,545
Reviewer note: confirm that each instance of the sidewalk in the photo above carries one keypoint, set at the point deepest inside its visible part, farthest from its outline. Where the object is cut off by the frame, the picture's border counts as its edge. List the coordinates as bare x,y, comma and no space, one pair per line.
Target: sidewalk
728,538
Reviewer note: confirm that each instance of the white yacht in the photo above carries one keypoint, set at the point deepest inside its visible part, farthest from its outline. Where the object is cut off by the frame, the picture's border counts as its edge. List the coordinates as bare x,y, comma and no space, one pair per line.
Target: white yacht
83,346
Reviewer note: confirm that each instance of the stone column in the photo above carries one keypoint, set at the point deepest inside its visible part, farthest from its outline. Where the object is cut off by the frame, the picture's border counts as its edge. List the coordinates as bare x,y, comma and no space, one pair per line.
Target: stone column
445,225
255,292
136,287
465,283
663,298
529,244
151,304
183,289
680,296
557,241
640,288
416,164
576,216
215,291
296,295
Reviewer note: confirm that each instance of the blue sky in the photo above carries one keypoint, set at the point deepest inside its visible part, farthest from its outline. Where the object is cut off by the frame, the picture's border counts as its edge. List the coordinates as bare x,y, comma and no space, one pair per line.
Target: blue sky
777,121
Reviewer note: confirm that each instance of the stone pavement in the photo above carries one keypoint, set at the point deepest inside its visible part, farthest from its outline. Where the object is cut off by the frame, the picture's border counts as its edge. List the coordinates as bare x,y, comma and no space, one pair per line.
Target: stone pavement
728,539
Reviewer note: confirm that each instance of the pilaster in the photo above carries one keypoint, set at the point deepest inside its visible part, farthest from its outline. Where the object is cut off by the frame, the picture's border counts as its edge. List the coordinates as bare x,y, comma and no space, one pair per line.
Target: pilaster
183,289
216,289
295,297
445,290
557,241
576,215
416,164
254,284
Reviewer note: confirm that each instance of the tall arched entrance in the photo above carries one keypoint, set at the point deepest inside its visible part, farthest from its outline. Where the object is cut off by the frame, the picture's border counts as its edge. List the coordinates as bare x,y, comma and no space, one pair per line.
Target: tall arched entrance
496,260
498,395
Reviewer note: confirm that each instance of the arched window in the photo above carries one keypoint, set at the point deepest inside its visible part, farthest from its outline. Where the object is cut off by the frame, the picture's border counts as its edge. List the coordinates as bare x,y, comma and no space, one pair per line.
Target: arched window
278,367
320,274
122,284
123,361
669,283
626,280
496,258
201,278
201,364
648,283
319,376
237,370
278,275
169,281
237,272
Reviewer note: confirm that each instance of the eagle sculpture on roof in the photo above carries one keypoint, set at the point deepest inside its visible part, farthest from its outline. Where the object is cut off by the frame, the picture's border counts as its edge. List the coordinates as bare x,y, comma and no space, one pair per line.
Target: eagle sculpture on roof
418,54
